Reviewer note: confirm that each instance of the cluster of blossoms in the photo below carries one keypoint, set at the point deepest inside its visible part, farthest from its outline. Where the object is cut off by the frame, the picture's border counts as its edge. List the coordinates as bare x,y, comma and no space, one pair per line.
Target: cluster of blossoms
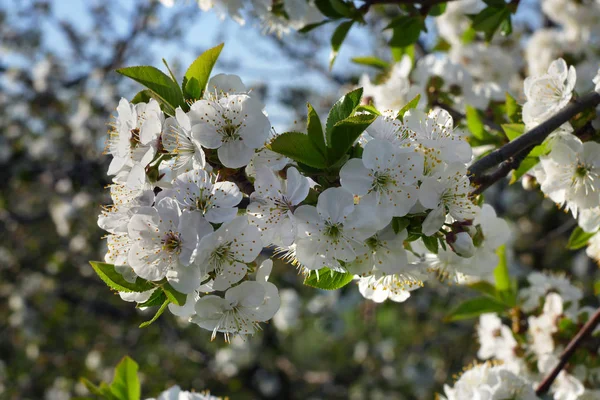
274,18
519,357
175,393
198,195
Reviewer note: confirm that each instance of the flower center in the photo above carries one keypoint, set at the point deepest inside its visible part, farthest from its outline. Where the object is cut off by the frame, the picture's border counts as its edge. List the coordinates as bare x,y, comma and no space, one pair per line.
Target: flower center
334,231
380,181
221,255
229,131
134,140
171,242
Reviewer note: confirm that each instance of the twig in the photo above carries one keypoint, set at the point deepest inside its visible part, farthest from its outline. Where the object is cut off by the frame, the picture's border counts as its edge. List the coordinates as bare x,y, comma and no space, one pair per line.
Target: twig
534,136
568,352
485,181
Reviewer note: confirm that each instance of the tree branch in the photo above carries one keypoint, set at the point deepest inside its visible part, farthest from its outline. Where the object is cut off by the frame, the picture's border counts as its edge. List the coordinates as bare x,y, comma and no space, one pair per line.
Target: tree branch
568,352
534,136
485,181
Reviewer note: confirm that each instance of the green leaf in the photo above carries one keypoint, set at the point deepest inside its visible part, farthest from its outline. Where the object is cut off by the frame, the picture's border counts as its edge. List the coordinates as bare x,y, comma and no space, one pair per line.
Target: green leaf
310,27
485,288
342,109
315,130
371,61
431,243
158,82
399,224
579,238
328,279
173,295
474,123
469,35
489,20
200,70
501,275
597,288
437,9
368,108
344,134
103,390
475,307
115,280
299,147
513,131
513,109
406,30
158,314
337,39
332,8
125,384
442,45
142,96
524,167
156,299
409,106
399,52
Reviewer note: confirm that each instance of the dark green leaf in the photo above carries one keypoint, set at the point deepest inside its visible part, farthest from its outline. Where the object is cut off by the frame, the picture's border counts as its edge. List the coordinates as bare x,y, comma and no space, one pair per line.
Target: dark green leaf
371,61
115,280
310,27
200,69
315,130
328,279
597,288
474,123
344,134
513,131
125,384
158,314
300,148
342,109
173,295
409,106
406,30
158,82
156,299
495,3
193,90
442,45
337,39
485,288
431,243
330,9
475,307
437,9
579,238
142,96
489,20
399,224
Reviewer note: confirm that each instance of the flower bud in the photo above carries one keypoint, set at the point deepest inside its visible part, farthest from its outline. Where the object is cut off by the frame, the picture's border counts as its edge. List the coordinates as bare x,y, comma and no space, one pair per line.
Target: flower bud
463,245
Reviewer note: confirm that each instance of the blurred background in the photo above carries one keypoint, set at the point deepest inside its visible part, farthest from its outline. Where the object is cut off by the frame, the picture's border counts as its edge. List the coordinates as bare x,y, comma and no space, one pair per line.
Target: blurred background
59,322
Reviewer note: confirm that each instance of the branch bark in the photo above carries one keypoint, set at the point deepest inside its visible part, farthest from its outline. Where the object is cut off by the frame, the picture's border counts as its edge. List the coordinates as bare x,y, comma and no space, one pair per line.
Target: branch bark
534,136
568,352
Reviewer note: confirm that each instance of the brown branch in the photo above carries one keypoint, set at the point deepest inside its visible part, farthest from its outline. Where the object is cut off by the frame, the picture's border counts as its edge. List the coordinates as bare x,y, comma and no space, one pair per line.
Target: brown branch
534,136
568,352
485,181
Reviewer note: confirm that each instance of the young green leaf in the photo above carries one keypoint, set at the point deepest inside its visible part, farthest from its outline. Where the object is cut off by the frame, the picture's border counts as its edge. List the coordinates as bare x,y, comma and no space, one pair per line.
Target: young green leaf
173,295
310,27
115,280
332,8
524,167
513,131
200,70
579,238
484,287
474,123
409,106
431,243
125,384
158,82
328,279
489,20
299,147
513,109
372,61
315,130
501,275
398,53
103,390
342,109
369,109
344,135
142,96
157,315
337,39
475,307
437,9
